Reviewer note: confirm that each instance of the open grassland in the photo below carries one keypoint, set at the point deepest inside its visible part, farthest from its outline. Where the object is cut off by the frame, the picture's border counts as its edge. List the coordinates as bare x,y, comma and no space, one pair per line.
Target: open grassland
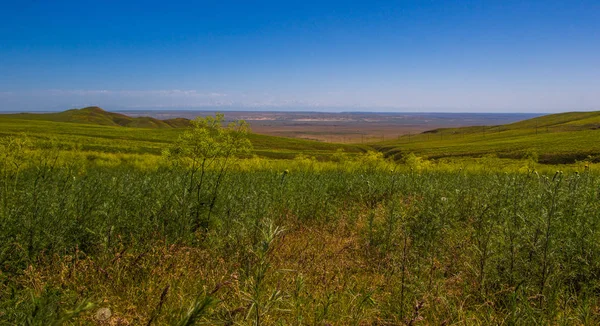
554,139
350,243
153,226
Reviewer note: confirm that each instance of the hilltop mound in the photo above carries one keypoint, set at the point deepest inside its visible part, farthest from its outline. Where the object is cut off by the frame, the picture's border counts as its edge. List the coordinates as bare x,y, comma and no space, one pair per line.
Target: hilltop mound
98,116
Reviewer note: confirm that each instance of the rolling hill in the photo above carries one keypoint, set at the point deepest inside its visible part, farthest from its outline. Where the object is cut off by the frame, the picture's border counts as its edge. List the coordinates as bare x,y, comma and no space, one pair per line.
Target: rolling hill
555,138
97,116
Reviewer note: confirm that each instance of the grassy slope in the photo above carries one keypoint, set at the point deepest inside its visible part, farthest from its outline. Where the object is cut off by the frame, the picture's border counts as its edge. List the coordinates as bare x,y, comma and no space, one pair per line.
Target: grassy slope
117,139
97,116
556,138
560,121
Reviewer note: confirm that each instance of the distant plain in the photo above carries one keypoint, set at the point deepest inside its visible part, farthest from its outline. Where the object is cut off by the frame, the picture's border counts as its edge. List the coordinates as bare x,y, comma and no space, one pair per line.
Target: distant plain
345,127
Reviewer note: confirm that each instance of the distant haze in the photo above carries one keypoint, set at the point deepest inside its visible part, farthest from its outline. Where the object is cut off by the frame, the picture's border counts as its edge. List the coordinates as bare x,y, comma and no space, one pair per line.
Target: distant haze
377,56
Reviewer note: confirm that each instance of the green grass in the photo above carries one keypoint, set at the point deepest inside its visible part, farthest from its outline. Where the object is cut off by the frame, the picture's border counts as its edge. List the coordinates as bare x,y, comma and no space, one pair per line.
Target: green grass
560,121
308,247
556,139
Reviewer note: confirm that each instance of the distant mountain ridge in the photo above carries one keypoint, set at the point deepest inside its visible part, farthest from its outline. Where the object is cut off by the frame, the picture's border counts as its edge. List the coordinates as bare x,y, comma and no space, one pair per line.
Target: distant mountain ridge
98,116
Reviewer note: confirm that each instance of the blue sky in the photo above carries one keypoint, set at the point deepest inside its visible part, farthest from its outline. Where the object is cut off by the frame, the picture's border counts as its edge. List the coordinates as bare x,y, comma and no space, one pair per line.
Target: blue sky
464,56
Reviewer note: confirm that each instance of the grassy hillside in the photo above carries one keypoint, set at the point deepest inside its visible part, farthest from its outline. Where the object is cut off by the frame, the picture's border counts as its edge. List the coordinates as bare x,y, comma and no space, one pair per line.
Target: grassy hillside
567,121
97,116
141,135
555,138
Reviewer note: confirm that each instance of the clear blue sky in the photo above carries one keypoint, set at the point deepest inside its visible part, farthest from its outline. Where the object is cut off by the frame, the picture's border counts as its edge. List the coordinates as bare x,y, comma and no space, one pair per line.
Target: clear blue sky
489,56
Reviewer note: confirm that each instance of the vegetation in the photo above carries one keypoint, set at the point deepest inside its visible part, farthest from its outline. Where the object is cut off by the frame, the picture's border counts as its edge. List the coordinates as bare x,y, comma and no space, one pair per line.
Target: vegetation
137,143
203,233
555,139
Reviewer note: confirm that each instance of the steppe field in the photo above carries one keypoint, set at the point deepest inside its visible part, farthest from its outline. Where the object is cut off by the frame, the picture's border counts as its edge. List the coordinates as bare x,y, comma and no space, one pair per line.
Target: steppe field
115,220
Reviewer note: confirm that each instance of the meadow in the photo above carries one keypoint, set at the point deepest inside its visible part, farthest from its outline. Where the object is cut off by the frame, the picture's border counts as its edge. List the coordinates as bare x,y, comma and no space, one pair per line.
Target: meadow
125,226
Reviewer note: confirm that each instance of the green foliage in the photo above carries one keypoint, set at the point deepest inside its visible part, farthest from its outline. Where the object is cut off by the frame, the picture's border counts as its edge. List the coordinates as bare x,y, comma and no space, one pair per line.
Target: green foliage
526,242
416,163
208,145
261,301
209,140
13,153
198,310
340,156
371,161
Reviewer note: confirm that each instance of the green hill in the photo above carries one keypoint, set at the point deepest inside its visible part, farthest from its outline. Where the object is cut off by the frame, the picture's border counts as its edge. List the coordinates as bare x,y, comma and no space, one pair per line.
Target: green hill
97,116
93,129
568,121
555,138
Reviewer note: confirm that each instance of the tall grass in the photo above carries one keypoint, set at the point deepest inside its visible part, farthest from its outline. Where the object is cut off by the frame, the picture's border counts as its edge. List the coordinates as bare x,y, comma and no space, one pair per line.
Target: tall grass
362,243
